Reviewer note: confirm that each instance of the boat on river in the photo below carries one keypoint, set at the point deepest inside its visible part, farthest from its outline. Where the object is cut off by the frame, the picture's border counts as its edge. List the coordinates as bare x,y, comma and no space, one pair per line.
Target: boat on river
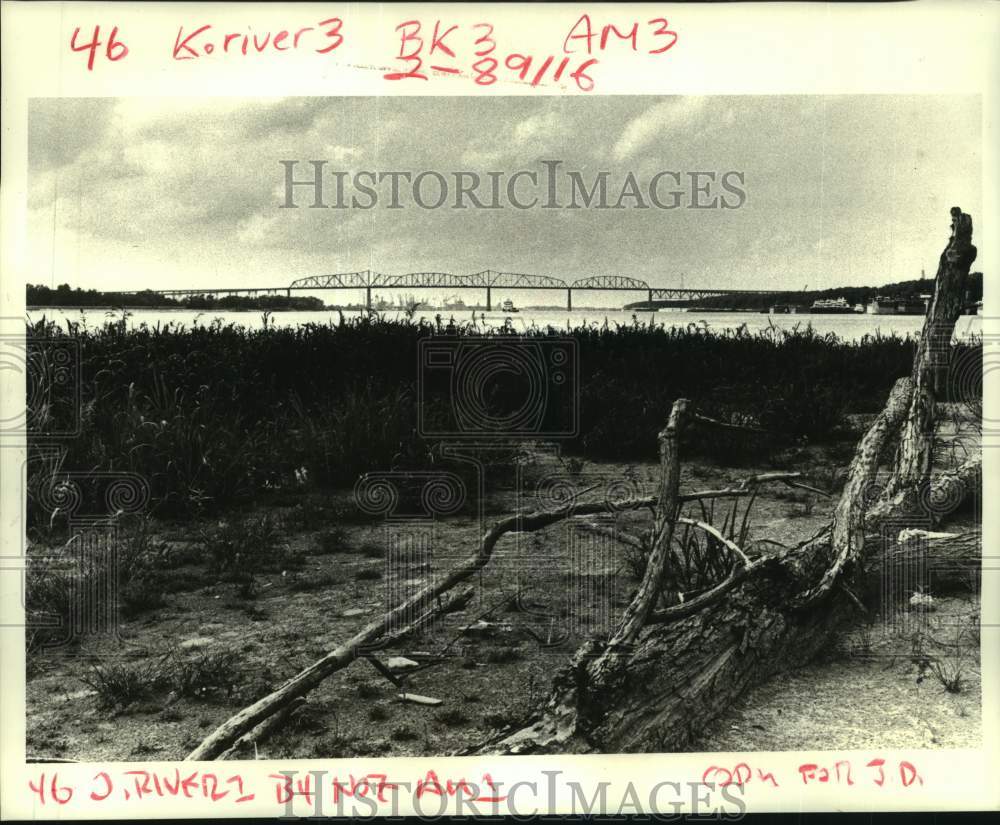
831,306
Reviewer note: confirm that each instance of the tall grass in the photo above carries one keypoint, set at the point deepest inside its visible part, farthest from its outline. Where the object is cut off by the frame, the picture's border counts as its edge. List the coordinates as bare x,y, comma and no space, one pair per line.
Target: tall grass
211,415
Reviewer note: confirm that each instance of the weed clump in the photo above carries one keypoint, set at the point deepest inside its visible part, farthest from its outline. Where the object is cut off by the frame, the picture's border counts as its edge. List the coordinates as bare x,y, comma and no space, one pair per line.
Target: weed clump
119,684
240,550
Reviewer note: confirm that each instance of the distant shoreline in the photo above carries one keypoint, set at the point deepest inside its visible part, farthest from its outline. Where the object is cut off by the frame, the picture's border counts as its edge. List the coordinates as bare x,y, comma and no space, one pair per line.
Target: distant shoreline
169,308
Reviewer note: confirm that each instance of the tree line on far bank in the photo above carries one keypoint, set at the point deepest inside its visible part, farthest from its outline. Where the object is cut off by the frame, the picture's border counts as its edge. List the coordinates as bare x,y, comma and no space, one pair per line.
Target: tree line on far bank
65,296
901,290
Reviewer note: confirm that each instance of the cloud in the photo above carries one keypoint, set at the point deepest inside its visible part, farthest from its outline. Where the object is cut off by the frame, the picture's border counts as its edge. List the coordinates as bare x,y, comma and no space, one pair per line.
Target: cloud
672,115
174,187
292,116
255,229
538,127
62,129
481,158
532,135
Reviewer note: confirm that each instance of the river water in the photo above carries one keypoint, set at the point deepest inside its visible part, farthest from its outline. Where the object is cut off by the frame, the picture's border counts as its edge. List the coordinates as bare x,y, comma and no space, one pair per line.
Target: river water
849,327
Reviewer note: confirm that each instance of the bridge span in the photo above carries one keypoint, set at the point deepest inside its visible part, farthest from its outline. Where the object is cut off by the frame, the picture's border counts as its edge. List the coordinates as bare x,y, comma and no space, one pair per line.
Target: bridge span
485,280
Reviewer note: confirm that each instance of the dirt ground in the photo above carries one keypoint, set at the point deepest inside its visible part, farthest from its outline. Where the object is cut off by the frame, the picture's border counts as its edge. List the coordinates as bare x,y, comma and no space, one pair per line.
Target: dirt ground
540,597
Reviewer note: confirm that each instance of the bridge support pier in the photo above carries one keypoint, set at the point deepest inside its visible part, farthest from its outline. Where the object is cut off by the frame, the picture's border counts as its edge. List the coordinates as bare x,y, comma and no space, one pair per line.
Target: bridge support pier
368,297
650,296
288,292
569,300
489,299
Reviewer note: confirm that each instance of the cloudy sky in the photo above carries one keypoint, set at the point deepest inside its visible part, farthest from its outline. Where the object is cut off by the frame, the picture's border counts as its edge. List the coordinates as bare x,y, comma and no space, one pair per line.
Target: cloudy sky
132,194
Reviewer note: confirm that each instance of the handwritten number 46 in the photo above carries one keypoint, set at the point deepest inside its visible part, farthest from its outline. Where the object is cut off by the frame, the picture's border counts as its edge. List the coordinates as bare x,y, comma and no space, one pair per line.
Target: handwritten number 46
114,50
57,793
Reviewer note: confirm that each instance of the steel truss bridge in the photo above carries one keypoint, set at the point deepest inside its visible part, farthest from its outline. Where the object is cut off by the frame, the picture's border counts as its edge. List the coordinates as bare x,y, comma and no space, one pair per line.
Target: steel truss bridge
485,280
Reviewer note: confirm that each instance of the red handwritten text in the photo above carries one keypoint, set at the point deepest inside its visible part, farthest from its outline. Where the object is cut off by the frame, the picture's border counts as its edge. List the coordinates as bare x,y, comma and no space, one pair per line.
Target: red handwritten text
841,773
656,29
203,41
446,48
114,50
139,784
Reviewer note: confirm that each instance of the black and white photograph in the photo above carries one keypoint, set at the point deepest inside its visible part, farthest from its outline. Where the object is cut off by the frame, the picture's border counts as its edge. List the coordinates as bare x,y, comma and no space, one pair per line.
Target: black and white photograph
490,409
438,426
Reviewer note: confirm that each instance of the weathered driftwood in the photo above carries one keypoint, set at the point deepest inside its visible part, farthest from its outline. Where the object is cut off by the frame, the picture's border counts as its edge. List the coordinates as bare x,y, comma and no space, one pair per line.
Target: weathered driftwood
448,603
246,745
914,454
949,561
694,659
666,672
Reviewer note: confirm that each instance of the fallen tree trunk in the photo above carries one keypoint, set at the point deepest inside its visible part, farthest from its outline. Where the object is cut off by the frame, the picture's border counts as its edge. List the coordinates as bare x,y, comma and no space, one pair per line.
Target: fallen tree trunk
684,672
246,745
944,562
695,659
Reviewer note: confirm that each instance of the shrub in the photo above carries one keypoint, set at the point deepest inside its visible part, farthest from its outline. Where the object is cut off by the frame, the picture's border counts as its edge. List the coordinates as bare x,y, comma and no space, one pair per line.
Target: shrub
119,684
49,596
502,720
947,660
366,690
802,509
242,549
404,734
452,718
504,655
206,674
635,560
305,516
372,550
141,559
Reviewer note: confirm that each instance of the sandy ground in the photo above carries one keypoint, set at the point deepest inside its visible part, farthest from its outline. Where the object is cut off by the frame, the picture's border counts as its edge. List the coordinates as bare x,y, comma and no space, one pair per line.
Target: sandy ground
870,690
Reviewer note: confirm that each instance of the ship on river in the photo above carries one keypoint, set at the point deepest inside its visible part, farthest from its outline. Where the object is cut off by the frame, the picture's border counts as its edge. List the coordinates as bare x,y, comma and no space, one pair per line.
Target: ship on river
914,305
831,306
